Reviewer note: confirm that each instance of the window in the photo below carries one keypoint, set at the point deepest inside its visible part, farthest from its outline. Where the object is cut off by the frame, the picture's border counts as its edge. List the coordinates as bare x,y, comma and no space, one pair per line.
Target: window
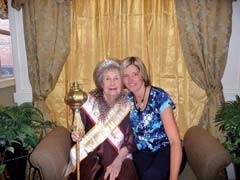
6,60
20,79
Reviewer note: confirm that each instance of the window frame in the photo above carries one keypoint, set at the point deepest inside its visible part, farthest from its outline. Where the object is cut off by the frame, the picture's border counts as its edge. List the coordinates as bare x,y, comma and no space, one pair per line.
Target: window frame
20,80
7,81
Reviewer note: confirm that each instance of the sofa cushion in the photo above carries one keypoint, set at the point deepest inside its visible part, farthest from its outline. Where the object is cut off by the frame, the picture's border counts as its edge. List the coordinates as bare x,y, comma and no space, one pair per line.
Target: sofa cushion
52,154
206,155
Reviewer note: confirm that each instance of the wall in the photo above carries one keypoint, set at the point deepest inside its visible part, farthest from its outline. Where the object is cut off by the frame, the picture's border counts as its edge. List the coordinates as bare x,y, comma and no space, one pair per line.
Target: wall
6,95
231,77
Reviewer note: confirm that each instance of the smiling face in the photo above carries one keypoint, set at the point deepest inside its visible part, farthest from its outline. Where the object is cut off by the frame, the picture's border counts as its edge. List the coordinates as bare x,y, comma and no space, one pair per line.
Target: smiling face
111,83
133,78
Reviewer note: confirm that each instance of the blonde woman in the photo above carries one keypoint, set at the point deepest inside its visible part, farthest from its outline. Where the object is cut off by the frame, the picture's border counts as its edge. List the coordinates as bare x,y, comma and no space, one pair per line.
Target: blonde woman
159,150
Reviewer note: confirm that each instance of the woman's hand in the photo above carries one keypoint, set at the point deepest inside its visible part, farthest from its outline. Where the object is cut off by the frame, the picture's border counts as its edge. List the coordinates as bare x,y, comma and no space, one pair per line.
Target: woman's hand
76,136
113,169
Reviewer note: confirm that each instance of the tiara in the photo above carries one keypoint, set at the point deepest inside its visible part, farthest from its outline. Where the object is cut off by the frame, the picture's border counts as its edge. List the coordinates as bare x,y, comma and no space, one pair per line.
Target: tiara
109,62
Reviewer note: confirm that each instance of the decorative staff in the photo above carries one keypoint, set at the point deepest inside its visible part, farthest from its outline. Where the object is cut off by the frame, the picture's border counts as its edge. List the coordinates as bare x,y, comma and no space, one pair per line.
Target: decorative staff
75,99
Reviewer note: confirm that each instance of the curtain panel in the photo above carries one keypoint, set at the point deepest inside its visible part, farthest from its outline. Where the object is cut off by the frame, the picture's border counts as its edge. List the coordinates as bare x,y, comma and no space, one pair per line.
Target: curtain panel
47,38
205,29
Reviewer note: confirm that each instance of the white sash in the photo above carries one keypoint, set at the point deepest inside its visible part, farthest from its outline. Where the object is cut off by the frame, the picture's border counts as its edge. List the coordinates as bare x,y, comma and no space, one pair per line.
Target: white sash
116,137
108,129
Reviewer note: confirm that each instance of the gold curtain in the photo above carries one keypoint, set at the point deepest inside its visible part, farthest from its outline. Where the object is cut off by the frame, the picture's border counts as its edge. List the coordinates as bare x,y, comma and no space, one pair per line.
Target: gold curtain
47,37
205,29
148,29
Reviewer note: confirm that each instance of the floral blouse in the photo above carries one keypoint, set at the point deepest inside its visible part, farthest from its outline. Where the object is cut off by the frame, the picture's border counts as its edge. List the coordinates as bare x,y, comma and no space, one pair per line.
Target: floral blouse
147,125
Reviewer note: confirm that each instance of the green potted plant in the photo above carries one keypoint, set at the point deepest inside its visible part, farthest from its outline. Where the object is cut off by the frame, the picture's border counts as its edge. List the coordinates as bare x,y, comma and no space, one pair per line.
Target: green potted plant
20,127
228,122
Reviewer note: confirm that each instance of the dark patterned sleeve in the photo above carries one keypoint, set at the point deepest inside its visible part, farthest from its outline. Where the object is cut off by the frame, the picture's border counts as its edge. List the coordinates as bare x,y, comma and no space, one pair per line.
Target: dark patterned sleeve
128,135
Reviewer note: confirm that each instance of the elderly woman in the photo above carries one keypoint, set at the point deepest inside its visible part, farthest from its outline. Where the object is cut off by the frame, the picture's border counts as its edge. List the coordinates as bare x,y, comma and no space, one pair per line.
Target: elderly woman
105,149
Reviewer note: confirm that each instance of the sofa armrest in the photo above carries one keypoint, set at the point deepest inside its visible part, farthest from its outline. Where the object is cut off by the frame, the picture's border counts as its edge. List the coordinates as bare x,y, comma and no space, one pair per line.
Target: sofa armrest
206,155
51,155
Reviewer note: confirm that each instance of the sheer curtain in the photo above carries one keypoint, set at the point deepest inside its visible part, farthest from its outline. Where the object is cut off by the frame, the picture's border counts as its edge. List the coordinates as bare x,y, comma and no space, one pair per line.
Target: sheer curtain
116,29
205,29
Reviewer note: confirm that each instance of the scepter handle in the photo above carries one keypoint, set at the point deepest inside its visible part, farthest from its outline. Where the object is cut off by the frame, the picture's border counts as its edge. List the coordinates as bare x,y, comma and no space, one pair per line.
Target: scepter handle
79,127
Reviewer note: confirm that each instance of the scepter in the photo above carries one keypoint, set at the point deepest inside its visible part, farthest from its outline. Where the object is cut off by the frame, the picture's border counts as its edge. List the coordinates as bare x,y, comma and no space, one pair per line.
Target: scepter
75,99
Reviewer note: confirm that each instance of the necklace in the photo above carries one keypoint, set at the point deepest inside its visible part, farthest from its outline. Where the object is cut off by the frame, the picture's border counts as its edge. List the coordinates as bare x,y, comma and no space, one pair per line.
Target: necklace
140,105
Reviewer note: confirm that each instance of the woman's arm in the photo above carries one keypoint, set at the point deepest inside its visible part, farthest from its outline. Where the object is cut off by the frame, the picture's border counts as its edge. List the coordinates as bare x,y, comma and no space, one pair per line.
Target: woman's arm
171,129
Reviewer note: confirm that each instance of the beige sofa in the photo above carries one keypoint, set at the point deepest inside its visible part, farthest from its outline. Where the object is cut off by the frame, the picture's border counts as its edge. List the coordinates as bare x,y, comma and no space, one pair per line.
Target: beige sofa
207,158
